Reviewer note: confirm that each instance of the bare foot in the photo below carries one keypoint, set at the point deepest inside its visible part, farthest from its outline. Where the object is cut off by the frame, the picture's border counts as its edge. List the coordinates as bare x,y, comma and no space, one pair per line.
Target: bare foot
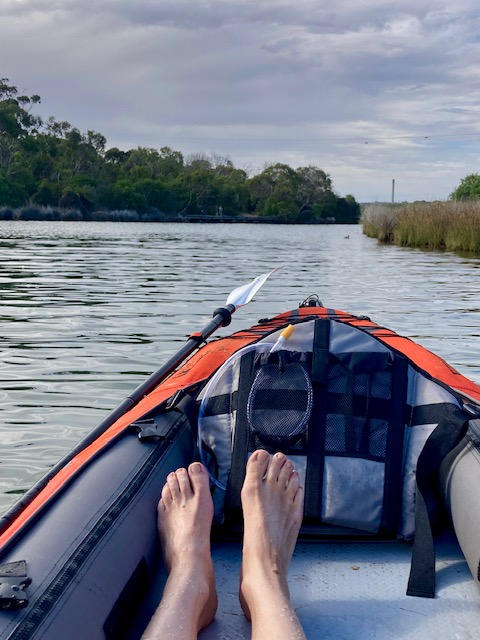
185,513
272,502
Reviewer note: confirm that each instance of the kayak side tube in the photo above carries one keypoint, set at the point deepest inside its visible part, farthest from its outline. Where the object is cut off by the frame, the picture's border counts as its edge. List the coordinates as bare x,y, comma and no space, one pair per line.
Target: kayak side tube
459,481
92,554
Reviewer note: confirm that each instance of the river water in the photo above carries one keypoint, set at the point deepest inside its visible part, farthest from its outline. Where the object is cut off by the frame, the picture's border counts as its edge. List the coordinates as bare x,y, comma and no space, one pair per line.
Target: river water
88,310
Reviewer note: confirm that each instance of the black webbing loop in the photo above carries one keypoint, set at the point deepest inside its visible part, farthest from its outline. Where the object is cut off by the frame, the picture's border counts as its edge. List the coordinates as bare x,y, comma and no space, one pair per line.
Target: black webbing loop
316,427
441,441
392,492
241,435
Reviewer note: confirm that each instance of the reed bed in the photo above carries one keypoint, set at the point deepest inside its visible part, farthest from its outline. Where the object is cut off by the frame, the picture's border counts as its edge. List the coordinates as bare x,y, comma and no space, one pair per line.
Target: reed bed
451,226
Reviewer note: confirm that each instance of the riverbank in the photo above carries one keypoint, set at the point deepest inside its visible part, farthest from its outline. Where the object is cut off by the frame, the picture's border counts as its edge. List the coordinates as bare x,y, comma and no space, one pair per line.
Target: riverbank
33,212
450,226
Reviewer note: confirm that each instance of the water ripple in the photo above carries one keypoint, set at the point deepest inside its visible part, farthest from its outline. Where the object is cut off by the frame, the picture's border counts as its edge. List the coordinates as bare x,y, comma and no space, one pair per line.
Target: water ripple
89,309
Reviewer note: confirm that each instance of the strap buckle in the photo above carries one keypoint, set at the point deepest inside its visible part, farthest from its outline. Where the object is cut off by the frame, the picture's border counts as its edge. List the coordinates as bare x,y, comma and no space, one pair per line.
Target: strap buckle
13,582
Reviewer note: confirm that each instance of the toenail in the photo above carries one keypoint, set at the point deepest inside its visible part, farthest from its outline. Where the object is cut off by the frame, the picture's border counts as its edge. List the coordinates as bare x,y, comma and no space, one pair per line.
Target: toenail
279,455
196,467
171,475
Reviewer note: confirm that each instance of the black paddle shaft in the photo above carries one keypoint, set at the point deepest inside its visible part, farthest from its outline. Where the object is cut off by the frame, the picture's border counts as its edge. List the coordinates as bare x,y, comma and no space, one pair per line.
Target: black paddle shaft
221,318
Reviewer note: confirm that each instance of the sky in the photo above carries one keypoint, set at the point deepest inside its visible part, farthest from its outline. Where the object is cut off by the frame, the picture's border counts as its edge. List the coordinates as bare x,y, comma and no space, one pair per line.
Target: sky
366,90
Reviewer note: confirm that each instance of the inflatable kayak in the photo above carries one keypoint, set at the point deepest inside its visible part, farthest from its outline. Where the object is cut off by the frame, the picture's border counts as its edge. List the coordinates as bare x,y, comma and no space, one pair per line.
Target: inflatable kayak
385,434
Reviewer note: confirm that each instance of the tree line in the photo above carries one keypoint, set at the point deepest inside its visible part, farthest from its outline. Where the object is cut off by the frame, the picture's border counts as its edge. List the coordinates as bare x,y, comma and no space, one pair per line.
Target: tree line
51,163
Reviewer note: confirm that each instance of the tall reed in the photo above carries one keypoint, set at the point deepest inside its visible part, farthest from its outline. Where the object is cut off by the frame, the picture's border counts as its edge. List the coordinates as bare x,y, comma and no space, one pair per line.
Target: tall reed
453,226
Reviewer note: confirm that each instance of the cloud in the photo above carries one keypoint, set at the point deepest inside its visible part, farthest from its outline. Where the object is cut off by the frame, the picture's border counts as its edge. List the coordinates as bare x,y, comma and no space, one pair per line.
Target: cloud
354,87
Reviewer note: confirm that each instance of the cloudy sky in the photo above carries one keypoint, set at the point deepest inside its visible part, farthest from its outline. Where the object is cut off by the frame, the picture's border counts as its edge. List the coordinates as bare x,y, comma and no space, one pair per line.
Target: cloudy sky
367,90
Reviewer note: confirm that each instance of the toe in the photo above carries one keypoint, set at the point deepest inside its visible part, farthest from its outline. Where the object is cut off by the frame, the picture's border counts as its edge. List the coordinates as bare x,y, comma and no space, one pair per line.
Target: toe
166,496
298,499
285,473
173,485
198,478
184,483
293,485
276,464
257,465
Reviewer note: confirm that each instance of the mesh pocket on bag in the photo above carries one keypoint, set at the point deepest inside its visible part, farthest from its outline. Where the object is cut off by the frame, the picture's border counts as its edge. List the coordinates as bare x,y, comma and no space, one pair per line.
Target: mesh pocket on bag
280,402
355,424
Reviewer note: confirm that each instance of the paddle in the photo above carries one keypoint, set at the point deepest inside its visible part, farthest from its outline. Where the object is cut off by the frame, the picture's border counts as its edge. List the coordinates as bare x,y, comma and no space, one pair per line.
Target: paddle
221,318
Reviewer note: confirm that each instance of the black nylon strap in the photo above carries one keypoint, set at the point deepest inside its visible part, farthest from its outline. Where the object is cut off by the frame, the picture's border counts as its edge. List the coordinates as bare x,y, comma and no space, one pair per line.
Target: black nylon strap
394,451
364,448
241,436
362,406
350,440
316,427
292,399
378,408
429,413
441,441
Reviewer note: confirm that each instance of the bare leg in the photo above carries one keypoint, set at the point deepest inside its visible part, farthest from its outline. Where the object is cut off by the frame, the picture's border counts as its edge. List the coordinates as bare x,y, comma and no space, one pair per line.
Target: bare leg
189,600
272,502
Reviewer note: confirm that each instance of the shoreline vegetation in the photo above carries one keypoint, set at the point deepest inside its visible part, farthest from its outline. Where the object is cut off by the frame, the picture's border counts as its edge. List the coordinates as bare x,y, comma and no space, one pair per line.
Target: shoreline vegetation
34,212
450,226
51,170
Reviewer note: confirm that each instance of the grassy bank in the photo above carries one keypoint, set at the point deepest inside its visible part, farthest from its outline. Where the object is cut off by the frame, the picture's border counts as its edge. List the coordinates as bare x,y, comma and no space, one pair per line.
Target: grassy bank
453,226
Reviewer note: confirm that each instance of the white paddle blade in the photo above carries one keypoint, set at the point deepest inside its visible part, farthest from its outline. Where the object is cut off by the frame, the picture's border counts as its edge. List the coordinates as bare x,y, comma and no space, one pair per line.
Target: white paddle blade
242,295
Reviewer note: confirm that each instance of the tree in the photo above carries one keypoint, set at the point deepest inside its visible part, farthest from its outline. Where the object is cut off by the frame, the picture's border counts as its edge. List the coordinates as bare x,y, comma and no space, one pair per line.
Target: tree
313,184
326,208
348,210
157,195
170,162
125,195
16,124
468,189
16,121
116,156
47,193
232,190
273,192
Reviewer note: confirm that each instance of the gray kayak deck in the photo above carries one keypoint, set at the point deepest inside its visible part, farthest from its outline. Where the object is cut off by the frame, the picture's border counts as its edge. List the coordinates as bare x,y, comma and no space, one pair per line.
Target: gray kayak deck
356,591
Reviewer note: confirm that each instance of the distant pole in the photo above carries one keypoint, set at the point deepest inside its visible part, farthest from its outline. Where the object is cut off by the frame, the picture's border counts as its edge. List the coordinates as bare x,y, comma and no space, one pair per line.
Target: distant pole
393,190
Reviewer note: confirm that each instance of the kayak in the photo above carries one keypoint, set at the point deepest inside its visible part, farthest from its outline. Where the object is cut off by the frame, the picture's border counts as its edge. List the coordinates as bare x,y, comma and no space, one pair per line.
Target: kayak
79,553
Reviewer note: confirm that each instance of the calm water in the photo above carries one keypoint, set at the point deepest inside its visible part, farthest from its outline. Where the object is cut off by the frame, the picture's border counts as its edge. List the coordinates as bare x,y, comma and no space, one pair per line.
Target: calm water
89,309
